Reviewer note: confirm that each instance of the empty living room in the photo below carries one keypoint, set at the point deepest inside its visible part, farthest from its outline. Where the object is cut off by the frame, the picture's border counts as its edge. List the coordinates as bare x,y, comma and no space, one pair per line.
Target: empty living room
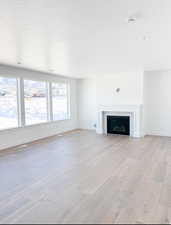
85,112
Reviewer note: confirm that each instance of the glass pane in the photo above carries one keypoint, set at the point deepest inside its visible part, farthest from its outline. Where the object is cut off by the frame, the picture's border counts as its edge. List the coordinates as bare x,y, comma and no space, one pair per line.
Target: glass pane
8,103
35,96
59,100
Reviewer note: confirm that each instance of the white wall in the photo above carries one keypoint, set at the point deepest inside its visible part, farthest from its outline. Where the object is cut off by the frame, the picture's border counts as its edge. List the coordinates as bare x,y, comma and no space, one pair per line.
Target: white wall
157,98
101,90
87,103
131,89
19,136
152,88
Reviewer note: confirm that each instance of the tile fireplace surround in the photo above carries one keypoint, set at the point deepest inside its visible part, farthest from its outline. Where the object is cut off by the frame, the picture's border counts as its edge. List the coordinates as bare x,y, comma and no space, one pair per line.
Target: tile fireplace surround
135,112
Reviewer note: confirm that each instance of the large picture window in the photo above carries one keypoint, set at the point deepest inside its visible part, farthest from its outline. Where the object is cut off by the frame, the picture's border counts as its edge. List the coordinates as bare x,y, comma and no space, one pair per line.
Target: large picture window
35,98
59,101
26,102
8,103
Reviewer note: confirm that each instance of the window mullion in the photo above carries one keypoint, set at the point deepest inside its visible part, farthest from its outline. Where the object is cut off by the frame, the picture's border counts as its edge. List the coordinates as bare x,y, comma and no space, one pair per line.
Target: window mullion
49,101
68,101
21,107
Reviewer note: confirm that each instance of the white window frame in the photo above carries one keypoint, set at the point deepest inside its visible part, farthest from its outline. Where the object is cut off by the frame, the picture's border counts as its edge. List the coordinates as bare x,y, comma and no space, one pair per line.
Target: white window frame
21,103
68,101
49,101
17,97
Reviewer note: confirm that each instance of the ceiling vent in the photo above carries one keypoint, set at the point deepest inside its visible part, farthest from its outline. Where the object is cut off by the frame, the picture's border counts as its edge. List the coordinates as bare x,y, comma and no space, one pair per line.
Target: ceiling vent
131,19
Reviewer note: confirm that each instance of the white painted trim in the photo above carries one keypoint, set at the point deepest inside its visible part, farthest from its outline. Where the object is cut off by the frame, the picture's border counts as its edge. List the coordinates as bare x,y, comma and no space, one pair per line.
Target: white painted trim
18,91
21,104
49,102
134,111
68,101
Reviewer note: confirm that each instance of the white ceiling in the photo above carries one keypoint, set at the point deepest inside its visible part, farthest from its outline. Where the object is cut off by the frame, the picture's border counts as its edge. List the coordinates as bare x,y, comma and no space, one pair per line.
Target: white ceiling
80,38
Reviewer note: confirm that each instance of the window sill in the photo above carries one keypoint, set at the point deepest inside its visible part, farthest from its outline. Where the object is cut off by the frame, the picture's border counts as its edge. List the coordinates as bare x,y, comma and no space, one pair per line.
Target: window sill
33,125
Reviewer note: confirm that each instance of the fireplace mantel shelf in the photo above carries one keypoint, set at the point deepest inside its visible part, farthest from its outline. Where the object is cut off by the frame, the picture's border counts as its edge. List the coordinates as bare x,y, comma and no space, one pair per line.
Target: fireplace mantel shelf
120,107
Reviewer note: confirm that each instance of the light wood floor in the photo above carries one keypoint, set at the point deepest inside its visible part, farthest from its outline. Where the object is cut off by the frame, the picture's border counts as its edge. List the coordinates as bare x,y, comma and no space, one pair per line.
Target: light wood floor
83,177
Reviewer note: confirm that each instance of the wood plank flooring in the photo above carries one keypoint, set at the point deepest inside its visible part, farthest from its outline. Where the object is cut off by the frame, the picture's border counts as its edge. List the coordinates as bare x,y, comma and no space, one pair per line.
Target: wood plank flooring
83,177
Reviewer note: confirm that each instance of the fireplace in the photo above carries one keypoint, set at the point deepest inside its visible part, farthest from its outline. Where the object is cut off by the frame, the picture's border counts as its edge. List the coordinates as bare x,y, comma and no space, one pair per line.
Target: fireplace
118,125
134,112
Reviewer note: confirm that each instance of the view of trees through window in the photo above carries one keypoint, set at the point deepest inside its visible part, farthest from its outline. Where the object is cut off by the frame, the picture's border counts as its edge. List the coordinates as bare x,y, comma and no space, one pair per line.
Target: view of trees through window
59,101
35,97
8,103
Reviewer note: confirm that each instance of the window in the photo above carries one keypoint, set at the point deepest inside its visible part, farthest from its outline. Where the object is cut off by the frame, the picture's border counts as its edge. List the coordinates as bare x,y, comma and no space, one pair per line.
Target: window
28,102
59,101
35,98
8,103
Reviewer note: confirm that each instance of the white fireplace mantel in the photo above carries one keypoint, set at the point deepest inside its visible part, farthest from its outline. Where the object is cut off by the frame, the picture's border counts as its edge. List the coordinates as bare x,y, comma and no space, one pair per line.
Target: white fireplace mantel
133,111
